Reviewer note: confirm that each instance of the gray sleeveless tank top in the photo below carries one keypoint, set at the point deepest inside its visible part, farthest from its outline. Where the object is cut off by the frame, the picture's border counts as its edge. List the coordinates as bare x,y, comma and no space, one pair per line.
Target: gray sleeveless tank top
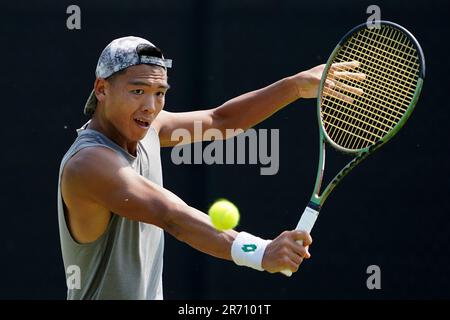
125,262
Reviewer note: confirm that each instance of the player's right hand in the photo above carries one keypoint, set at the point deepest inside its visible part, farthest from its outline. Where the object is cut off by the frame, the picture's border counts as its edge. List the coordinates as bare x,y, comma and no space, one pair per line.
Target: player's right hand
287,251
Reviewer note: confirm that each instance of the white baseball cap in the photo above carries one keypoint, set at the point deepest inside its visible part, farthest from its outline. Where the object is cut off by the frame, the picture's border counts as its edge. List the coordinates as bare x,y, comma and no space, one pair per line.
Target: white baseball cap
120,54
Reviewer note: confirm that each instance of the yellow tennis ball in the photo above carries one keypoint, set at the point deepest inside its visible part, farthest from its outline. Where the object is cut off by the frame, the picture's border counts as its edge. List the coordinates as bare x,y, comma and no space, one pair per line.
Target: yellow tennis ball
224,215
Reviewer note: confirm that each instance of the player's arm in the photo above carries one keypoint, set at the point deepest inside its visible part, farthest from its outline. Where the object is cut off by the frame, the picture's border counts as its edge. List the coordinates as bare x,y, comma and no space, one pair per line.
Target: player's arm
241,112
249,109
100,176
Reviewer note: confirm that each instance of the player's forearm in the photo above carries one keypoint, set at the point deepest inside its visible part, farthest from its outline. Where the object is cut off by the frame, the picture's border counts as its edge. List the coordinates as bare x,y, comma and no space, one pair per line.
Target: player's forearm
253,107
193,227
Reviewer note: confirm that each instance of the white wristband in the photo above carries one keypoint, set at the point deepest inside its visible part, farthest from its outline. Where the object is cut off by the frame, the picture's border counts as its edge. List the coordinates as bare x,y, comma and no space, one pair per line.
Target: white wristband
248,250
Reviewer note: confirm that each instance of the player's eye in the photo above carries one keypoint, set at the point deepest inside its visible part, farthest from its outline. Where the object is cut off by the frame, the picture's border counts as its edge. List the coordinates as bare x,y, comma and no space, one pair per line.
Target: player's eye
160,94
138,91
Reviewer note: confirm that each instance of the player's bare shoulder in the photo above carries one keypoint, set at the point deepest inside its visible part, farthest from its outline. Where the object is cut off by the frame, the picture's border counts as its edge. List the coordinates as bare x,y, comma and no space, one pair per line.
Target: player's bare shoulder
82,171
81,181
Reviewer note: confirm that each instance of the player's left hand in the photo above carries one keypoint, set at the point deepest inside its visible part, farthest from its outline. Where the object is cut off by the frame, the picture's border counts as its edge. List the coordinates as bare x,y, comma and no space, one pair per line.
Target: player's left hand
308,81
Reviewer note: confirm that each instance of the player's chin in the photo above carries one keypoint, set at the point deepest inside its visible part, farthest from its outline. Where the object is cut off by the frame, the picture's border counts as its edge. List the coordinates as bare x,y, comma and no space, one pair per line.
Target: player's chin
140,135
137,134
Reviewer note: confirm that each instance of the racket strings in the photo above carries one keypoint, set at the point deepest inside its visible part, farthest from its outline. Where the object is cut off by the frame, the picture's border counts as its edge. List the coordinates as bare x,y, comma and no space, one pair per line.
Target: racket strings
402,67
391,65
373,97
370,132
401,84
370,74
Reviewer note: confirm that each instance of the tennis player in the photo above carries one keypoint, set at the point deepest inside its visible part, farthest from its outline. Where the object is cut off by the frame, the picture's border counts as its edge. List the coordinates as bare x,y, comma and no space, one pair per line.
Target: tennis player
112,206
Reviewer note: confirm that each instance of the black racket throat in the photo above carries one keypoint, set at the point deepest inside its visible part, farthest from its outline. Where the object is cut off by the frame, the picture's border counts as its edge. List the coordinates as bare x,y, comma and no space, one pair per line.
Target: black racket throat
314,206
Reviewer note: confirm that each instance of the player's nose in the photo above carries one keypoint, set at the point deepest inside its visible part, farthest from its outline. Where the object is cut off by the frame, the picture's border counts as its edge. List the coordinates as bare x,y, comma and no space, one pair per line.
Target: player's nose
149,106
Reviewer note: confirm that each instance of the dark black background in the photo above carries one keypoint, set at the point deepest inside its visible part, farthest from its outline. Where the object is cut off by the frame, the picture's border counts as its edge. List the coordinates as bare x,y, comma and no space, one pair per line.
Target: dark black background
391,211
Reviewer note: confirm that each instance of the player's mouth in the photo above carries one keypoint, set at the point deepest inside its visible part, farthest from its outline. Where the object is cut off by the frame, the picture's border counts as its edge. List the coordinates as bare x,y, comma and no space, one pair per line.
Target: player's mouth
142,123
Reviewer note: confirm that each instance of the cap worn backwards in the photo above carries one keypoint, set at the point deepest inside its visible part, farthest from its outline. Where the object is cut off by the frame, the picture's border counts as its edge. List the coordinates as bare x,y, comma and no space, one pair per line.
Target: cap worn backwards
120,54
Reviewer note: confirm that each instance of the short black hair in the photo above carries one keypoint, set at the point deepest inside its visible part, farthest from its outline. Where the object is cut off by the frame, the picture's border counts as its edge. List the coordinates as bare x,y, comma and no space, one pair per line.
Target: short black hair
148,50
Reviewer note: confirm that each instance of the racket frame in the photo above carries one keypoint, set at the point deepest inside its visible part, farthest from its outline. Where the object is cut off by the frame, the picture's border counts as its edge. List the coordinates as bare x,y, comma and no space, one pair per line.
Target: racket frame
317,200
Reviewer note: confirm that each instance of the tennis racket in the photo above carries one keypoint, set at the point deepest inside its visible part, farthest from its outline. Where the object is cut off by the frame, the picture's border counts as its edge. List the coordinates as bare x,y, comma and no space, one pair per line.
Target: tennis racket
357,117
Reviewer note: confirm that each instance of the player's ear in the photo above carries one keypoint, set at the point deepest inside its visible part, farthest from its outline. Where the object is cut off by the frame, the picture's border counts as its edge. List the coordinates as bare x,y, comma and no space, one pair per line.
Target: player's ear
100,88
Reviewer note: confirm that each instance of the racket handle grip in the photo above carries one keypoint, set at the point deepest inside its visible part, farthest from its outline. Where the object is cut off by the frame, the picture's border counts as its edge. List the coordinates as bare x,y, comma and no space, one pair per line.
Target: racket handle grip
305,223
